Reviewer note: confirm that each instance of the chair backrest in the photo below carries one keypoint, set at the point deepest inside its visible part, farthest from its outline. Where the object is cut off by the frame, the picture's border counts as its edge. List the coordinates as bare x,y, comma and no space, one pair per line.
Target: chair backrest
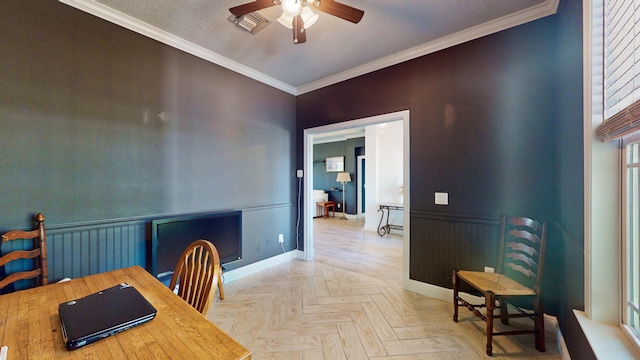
38,254
522,247
196,274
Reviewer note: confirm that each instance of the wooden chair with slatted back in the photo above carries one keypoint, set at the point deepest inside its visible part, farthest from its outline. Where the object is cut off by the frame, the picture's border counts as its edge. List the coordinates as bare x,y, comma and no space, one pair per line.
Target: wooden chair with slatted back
38,254
196,273
516,284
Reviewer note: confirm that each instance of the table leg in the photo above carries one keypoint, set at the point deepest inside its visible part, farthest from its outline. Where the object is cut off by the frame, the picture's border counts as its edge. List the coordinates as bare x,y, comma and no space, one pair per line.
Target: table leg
382,230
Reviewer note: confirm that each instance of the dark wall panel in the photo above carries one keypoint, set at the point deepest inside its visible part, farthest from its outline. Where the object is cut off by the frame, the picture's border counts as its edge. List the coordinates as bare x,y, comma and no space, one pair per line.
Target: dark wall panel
324,180
76,250
99,122
570,152
461,242
482,120
495,122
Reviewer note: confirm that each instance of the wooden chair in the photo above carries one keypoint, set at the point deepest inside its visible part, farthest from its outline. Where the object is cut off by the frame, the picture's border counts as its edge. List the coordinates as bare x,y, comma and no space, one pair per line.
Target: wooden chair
516,284
38,254
196,273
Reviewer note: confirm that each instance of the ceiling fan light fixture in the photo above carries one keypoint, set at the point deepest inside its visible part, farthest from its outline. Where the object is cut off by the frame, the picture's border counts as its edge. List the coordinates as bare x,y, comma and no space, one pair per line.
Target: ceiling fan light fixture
286,20
308,17
292,7
297,15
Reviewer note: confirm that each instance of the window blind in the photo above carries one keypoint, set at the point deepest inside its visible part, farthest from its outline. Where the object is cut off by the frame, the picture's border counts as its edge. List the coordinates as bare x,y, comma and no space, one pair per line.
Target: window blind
623,123
622,69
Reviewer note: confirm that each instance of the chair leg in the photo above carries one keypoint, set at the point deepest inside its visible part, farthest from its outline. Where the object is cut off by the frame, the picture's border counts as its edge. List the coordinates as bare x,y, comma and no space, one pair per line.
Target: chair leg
455,280
491,305
539,325
504,312
220,289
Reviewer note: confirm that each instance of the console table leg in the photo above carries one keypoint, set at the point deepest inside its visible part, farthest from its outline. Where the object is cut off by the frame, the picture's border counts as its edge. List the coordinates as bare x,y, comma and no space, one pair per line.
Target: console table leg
386,229
381,229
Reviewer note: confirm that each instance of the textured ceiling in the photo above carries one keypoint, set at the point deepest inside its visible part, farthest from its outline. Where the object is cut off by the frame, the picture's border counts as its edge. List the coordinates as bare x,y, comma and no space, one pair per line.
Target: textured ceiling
391,31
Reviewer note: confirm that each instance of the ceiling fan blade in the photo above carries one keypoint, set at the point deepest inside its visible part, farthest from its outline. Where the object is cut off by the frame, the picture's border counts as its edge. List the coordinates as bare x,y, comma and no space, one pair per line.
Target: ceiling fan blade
240,10
299,32
342,11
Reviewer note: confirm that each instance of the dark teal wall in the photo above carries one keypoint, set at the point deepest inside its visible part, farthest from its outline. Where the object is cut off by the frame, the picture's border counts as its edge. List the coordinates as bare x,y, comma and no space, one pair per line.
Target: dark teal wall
99,123
496,123
82,134
493,122
570,178
324,180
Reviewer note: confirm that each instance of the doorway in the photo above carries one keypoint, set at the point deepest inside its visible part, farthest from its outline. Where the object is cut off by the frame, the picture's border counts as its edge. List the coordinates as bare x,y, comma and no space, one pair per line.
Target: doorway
308,134
361,169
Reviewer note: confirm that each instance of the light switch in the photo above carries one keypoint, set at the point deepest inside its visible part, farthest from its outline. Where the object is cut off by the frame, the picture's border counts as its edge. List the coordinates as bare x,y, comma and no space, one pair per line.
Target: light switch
442,198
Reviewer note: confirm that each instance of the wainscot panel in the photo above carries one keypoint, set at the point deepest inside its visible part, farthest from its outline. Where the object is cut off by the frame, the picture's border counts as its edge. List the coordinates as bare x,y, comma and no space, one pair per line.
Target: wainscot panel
91,248
76,250
441,243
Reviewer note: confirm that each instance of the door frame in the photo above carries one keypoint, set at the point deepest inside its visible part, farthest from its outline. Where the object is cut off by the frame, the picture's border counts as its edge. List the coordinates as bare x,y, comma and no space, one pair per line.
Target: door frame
404,116
359,183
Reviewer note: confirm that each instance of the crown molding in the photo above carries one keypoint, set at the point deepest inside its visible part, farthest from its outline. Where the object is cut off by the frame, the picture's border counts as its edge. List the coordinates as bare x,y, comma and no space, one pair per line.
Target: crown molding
92,7
106,13
547,8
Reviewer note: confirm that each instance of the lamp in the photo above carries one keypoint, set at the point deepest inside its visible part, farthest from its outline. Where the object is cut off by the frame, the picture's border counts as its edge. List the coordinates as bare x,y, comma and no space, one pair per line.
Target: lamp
343,177
291,9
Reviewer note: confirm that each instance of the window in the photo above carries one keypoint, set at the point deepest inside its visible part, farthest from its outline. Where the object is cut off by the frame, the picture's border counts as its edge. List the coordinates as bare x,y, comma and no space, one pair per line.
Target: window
632,238
621,48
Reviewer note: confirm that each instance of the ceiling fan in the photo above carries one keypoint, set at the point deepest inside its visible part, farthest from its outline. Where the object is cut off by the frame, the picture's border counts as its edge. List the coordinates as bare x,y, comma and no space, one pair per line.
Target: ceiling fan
298,15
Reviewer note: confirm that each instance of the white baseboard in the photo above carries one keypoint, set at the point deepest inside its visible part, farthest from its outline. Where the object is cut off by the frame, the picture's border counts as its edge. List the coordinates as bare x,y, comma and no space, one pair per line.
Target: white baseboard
371,228
239,273
445,294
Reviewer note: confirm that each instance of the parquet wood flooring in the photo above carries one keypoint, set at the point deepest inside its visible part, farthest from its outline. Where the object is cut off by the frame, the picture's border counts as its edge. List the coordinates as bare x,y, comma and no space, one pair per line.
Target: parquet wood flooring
348,303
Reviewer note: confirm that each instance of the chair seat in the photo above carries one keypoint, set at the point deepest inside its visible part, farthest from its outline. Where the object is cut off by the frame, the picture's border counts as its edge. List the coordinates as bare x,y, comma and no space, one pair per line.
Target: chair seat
498,284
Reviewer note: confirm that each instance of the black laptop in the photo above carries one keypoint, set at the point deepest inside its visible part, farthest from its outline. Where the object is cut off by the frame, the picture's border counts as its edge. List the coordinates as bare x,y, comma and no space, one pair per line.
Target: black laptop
103,314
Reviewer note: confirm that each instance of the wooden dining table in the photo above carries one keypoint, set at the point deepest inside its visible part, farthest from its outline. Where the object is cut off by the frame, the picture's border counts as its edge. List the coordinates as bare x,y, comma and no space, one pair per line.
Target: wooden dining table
30,325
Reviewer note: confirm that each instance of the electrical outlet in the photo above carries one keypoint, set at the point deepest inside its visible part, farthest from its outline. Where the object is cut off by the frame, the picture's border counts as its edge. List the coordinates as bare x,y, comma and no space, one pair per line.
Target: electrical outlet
281,238
338,205
299,173
488,269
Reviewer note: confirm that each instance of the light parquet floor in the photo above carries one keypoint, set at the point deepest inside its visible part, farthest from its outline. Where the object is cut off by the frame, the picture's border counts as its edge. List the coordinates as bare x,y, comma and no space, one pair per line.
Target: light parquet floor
348,303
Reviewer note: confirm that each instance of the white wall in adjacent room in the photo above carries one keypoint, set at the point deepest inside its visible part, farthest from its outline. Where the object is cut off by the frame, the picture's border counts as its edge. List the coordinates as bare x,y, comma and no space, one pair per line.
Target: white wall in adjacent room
384,171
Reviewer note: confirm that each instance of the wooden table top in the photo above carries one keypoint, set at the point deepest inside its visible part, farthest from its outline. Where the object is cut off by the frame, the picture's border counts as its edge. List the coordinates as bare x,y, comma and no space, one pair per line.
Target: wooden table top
30,325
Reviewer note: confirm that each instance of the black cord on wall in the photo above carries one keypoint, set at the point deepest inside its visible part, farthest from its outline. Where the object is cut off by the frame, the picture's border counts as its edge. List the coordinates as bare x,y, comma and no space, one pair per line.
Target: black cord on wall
298,219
